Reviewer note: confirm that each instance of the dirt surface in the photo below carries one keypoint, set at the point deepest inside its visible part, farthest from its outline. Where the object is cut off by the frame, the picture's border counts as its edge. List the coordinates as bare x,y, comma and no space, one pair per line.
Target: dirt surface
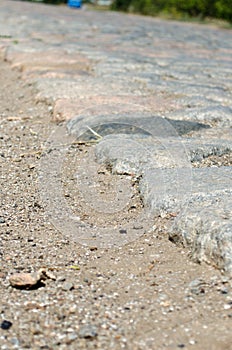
148,294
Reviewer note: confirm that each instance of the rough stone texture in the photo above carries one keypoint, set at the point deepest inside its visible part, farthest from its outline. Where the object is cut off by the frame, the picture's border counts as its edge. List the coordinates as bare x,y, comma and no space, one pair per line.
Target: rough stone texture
29,280
151,152
58,63
66,109
160,187
145,151
218,115
24,280
202,196
206,226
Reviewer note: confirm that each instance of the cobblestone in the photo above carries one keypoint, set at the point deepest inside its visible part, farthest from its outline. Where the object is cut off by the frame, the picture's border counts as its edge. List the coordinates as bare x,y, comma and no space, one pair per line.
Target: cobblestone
88,65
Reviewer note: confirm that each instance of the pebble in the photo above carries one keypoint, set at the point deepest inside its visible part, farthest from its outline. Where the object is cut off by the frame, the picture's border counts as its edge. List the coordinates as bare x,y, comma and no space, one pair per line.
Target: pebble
197,286
67,286
123,231
6,324
2,220
28,280
228,306
72,336
61,278
25,280
224,290
14,341
88,331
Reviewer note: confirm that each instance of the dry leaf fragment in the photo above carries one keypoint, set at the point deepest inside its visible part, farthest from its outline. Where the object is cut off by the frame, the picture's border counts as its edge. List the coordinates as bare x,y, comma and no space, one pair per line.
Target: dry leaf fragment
74,267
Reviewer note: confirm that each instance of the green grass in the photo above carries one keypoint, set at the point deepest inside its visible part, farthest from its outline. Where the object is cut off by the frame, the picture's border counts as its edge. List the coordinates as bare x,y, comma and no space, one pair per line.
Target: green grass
194,10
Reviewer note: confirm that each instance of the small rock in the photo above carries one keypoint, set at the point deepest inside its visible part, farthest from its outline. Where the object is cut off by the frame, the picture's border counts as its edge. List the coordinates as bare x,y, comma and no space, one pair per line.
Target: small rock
88,332
123,231
137,227
68,286
2,220
197,286
48,274
15,341
228,306
71,337
25,280
224,290
6,324
92,248
61,278
28,280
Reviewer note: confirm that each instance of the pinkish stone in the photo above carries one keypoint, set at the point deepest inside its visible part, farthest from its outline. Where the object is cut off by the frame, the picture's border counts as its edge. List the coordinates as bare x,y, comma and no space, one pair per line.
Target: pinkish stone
50,64
66,109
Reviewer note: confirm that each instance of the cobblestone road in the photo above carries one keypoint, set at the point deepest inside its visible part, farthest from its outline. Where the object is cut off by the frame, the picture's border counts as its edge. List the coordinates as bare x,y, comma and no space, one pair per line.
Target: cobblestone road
154,96
134,69
157,97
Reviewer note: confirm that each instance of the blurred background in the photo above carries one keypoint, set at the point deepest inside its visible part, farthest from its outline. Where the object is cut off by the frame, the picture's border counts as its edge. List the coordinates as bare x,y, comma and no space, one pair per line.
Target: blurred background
176,9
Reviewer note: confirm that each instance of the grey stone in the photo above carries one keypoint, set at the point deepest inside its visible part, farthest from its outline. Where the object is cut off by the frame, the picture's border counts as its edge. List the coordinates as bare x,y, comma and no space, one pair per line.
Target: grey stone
88,331
206,226
197,286
125,155
67,286
169,189
72,336
219,115
2,220
53,89
198,195
200,149
194,149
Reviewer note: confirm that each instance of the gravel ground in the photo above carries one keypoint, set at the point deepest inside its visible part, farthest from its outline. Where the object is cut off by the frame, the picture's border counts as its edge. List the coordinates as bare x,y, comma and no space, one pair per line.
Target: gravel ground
224,160
144,295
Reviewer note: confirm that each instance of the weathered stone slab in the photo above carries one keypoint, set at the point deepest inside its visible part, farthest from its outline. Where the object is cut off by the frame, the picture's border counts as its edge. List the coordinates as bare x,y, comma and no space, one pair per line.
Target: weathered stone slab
171,189
216,115
199,149
53,89
200,198
206,226
55,59
66,109
215,93
215,134
162,175
150,151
